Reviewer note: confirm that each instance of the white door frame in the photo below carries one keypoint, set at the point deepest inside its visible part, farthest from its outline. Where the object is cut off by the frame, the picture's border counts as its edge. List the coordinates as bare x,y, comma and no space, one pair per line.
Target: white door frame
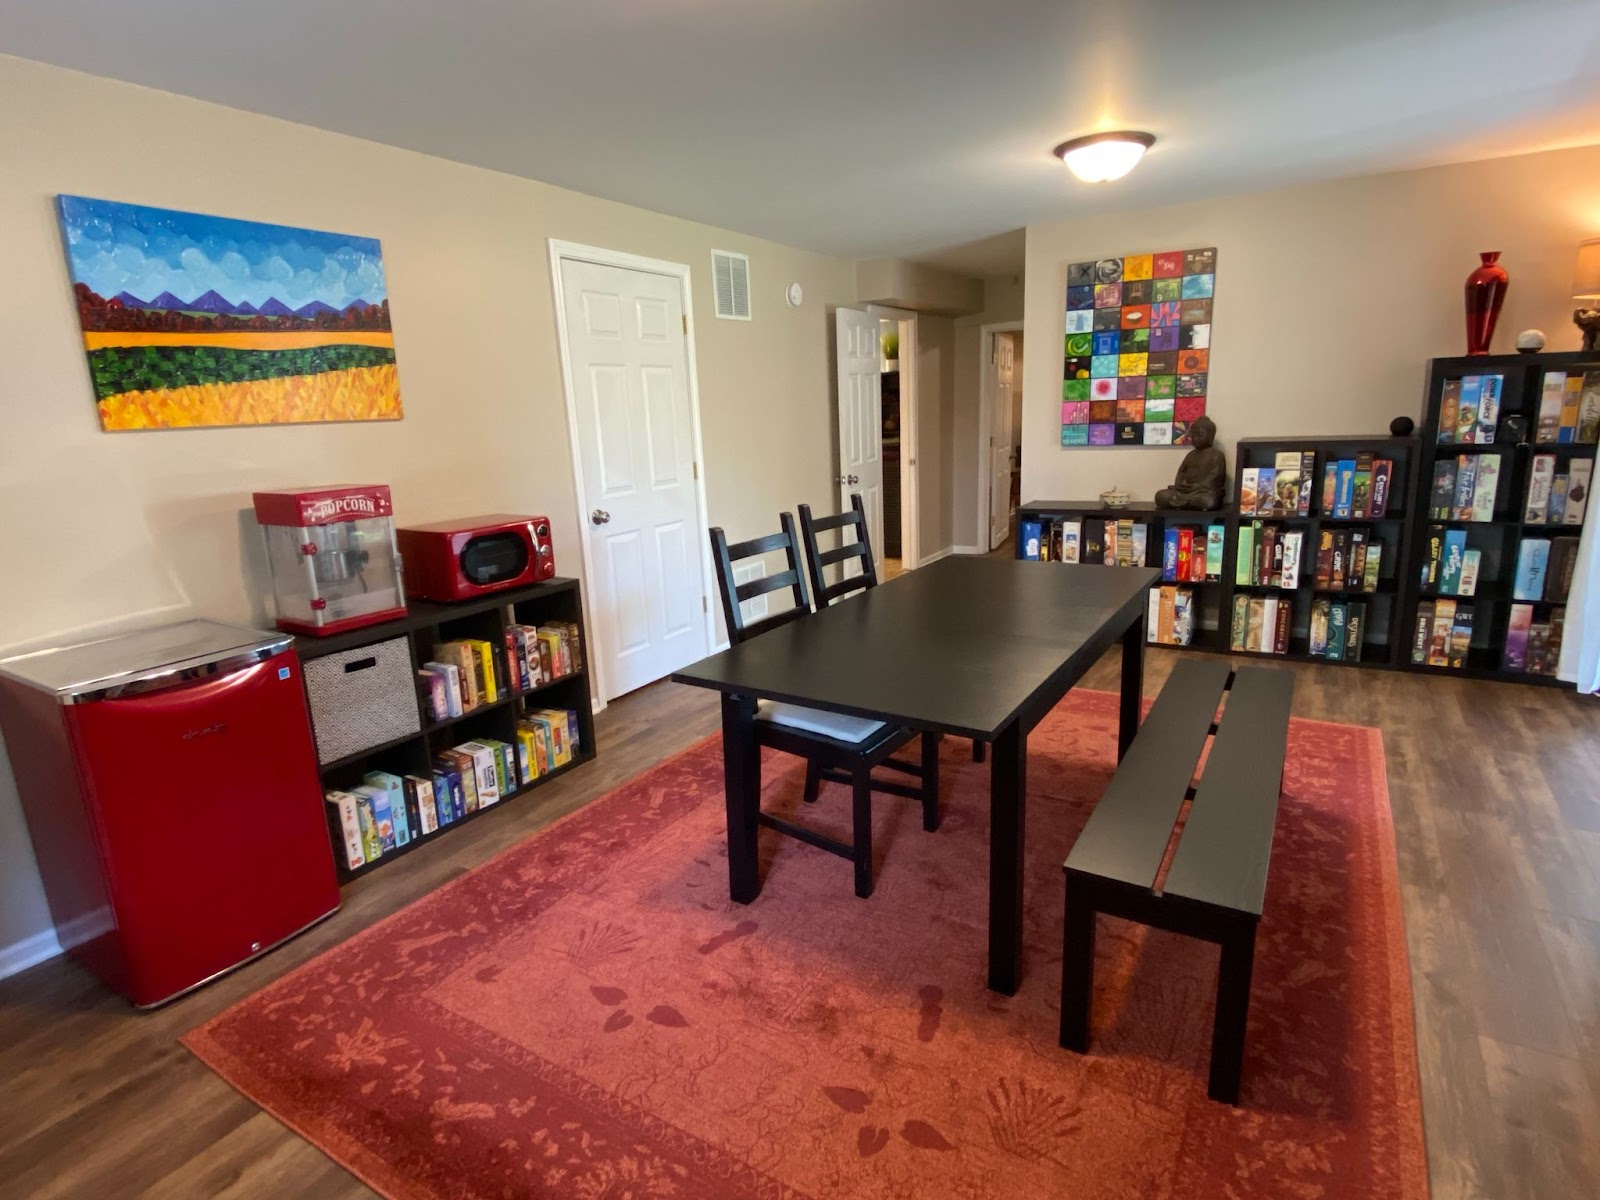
910,464
987,378
575,251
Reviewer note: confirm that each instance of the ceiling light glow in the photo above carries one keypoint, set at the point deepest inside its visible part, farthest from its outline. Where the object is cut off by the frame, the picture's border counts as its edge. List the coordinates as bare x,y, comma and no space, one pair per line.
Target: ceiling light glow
1100,157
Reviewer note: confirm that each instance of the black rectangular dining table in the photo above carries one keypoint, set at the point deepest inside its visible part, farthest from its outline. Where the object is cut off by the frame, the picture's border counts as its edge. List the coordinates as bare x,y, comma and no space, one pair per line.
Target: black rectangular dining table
975,647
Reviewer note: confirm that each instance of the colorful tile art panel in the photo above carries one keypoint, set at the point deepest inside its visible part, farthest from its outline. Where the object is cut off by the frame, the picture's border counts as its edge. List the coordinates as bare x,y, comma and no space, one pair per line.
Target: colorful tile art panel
1138,348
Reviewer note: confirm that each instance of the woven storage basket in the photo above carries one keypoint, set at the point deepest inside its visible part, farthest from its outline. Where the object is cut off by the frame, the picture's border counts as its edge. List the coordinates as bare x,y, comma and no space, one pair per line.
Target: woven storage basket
361,698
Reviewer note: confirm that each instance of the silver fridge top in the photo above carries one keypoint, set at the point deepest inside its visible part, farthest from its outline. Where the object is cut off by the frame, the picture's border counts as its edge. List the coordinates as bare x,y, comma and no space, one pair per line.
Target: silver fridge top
143,661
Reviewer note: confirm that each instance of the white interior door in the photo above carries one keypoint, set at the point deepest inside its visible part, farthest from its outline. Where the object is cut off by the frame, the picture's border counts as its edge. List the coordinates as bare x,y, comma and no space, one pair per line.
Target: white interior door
1000,439
858,353
627,351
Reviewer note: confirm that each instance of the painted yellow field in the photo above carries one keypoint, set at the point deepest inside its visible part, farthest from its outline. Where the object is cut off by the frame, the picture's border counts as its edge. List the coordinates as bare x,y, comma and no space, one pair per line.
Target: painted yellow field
241,339
359,394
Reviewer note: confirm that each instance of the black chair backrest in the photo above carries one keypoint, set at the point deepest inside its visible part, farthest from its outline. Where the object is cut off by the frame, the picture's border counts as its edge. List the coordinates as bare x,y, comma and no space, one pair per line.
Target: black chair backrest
860,548
733,594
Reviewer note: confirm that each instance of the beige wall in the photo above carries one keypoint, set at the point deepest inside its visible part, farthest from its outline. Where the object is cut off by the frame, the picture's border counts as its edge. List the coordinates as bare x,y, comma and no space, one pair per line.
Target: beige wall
1002,302
936,345
103,530
1330,299
901,284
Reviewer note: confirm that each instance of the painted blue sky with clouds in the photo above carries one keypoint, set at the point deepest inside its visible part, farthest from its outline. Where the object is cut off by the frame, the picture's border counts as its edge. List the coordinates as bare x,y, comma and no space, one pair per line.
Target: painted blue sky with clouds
115,247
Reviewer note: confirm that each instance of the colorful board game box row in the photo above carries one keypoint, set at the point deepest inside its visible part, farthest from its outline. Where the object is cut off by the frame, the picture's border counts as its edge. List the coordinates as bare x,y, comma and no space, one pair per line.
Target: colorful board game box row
467,674
388,812
1138,348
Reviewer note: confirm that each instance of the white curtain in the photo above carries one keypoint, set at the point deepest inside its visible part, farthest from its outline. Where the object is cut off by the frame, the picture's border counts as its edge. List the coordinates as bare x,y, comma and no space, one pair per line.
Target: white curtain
1580,641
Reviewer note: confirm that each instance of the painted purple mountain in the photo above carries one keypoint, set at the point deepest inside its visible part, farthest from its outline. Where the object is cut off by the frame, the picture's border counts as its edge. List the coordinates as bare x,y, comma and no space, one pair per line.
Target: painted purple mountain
315,309
168,301
246,309
355,305
129,300
275,308
211,302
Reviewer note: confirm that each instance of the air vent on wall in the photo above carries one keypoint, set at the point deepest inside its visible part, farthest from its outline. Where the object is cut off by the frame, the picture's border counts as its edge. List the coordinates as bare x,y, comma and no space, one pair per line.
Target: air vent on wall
730,274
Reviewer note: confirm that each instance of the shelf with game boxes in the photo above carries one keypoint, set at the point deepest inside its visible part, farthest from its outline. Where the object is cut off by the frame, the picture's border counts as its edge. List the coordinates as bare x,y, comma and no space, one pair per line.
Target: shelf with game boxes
1087,534
1508,452
1189,546
1323,528
511,712
1334,479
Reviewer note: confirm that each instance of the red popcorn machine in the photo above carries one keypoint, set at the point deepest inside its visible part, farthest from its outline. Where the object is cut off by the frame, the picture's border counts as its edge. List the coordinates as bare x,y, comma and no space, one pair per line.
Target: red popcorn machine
333,556
170,786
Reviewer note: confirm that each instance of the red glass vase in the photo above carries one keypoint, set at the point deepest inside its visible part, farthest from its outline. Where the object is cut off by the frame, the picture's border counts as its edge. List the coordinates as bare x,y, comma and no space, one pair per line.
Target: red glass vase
1486,291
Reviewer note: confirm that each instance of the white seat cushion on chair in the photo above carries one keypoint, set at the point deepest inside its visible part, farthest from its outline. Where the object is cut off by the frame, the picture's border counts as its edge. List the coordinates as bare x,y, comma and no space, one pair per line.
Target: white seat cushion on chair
814,720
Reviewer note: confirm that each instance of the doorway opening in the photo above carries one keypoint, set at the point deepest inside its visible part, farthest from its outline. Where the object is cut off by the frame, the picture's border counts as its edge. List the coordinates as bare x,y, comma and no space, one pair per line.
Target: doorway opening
896,383
889,381
1000,432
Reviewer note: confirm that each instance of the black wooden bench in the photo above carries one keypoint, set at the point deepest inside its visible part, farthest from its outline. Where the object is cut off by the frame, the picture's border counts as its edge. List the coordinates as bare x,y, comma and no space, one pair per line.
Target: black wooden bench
1218,874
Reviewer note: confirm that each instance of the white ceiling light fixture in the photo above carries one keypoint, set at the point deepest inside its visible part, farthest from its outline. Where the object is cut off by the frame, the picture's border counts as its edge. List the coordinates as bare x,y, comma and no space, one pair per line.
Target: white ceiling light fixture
1099,157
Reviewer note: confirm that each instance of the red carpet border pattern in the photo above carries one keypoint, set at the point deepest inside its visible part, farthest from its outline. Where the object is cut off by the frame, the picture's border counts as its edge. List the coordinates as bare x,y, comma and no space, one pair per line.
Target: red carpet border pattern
588,1016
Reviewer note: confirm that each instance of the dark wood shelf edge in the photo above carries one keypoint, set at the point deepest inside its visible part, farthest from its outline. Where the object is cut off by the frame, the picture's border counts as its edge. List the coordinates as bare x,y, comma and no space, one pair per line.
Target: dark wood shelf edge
370,752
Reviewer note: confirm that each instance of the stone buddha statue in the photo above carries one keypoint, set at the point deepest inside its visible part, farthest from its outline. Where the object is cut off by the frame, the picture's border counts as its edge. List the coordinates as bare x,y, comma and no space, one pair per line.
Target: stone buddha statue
1202,477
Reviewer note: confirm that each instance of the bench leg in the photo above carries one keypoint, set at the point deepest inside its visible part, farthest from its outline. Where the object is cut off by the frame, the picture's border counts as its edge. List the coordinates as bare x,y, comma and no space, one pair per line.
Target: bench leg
813,782
930,781
1077,969
1233,1004
978,754
861,795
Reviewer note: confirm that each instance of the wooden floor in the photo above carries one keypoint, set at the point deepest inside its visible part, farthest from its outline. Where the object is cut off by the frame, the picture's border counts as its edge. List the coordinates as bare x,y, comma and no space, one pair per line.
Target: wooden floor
1496,794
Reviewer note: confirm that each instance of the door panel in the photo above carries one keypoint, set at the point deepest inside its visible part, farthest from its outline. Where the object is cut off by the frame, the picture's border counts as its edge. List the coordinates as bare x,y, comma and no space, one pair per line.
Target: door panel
629,363
613,430
673,550
860,419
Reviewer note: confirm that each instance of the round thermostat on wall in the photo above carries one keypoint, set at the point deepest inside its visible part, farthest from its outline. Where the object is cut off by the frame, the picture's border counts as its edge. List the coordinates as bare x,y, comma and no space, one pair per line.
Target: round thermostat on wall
794,294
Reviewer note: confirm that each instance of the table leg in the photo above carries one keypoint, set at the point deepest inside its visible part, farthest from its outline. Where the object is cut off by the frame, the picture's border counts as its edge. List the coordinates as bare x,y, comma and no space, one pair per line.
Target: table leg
1008,784
741,772
1132,685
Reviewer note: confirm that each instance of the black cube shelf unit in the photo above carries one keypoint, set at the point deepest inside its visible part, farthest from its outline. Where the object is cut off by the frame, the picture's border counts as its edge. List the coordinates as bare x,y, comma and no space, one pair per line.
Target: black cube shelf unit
424,626
1499,538
1386,639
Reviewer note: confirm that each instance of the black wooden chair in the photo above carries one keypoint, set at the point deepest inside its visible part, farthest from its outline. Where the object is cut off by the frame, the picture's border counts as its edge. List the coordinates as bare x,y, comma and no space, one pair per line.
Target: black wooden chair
837,748
853,523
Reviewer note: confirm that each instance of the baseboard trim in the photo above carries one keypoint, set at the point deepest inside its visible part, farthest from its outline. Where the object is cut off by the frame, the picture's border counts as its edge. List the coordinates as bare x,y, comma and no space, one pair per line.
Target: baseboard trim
29,952
936,556
968,550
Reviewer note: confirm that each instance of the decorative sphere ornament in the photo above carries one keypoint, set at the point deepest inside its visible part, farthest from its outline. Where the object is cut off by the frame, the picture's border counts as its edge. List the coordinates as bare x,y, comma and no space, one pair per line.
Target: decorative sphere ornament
1402,426
1530,341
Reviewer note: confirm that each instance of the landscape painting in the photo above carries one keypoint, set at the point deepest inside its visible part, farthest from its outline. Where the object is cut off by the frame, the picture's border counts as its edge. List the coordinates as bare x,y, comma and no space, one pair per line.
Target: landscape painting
192,321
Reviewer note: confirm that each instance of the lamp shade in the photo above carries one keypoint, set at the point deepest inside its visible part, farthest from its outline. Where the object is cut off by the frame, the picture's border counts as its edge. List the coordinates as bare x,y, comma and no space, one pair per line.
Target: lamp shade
1586,279
1101,157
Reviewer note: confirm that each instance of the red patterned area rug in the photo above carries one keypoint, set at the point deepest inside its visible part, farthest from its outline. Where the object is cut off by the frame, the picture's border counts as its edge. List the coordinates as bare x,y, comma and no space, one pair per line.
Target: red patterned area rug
588,1016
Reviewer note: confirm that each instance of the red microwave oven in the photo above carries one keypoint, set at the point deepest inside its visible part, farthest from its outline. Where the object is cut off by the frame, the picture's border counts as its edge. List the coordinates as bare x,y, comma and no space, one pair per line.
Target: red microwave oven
475,556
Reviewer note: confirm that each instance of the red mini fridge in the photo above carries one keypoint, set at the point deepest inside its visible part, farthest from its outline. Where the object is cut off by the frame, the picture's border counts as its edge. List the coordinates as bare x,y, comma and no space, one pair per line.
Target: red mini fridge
170,786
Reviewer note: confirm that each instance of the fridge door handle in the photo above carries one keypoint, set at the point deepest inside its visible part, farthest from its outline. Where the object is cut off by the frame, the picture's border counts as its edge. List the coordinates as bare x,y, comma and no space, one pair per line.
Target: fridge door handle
178,676
175,691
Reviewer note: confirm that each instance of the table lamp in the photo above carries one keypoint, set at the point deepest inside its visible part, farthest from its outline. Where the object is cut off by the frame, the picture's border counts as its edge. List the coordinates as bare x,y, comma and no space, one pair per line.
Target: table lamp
1586,288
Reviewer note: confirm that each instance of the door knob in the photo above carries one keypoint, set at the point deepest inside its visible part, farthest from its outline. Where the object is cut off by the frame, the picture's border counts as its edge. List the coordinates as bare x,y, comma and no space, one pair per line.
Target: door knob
599,516
850,479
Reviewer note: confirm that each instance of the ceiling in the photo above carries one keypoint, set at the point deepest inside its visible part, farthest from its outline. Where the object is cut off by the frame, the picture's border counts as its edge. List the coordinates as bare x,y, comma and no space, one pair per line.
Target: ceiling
913,128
